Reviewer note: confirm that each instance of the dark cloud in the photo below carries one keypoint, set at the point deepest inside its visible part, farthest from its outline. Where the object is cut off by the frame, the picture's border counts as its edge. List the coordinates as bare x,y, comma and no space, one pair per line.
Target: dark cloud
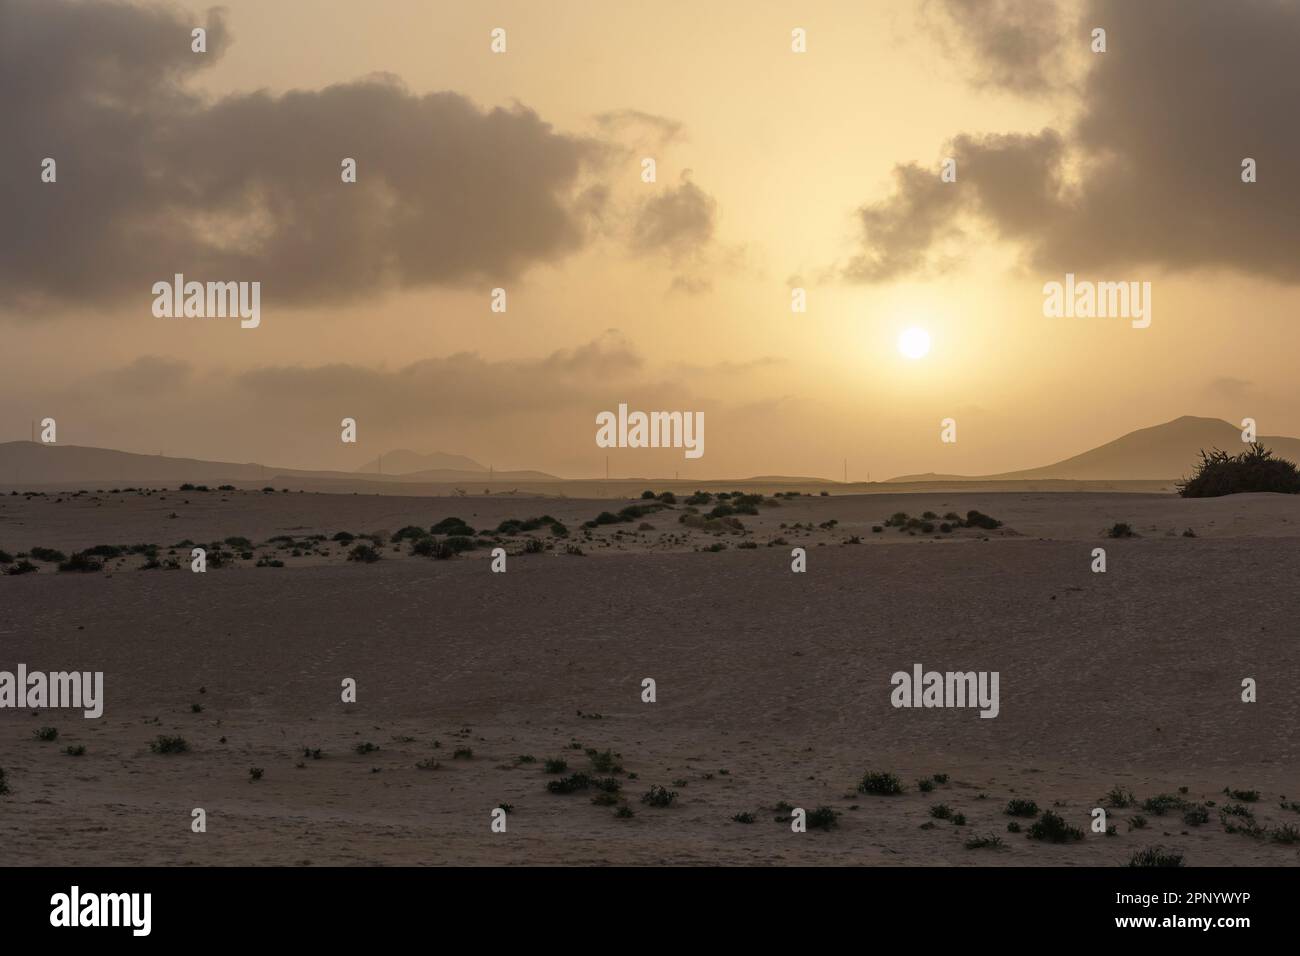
677,220
1150,174
154,180
1012,43
474,387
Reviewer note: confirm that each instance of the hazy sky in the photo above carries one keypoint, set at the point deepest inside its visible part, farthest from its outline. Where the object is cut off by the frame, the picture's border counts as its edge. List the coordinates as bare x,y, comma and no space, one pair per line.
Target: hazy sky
522,170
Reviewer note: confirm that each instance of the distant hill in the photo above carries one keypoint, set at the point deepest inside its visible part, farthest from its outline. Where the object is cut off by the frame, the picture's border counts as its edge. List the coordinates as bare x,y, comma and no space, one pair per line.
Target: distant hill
1161,452
405,462
33,463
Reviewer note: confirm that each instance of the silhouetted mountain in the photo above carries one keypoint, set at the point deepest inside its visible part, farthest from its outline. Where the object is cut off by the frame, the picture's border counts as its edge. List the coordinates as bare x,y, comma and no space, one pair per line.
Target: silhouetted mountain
33,463
1162,452
405,462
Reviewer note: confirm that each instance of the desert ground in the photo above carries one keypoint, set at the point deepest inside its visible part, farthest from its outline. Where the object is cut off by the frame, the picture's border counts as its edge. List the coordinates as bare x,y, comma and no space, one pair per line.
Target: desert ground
773,688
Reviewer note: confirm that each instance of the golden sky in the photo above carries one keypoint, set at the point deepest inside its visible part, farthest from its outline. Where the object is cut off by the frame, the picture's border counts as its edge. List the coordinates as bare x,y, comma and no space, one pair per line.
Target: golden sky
522,170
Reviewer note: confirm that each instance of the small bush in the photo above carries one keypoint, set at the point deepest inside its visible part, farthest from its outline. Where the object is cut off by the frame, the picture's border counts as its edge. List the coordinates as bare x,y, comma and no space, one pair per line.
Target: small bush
1163,803
1021,808
569,784
169,745
47,734
881,784
1196,815
451,526
989,842
1156,856
47,554
1052,828
365,553
924,785
22,567
1121,529
658,796
79,750
744,817
462,753
366,748
1219,473
823,818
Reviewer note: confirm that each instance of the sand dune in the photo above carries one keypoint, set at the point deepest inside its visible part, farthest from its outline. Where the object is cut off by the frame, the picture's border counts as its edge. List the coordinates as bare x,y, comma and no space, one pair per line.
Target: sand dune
771,686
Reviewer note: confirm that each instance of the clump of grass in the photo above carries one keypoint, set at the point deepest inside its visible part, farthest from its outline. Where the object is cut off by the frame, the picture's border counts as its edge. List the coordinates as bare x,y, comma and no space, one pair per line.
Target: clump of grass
1287,834
605,799
1021,808
1238,819
1118,798
1245,796
624,812
82,563
462,753
604,761
555,765
428,763
941,811
311,752
1156,856
366,748
1121,529
525,758
1163,803
79,750
22,567
940,778
881,783
822,818
255,774
658,796
744,817
49,555
164,744
47,734
925,785
1195,815
1013,827
1052,828
989,842
1138,822
570,784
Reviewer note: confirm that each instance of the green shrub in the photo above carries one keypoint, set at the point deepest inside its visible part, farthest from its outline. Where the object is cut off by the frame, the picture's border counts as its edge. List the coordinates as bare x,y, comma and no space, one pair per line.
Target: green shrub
169,745
1052,828
364,553
47,554
1219,473
570,784
1021,808
823,818
881,784
451,526
22,567
658,796
82,563
47,734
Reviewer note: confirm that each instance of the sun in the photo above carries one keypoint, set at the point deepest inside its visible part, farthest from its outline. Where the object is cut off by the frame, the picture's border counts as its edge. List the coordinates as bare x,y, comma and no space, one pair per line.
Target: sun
914,343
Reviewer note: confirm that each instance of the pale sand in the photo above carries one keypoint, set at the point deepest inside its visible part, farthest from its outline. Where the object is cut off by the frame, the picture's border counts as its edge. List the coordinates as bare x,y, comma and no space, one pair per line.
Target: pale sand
1130,678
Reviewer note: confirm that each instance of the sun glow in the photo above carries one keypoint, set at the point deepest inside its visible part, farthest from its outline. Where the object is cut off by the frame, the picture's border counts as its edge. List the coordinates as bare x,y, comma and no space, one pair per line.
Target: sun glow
914,343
